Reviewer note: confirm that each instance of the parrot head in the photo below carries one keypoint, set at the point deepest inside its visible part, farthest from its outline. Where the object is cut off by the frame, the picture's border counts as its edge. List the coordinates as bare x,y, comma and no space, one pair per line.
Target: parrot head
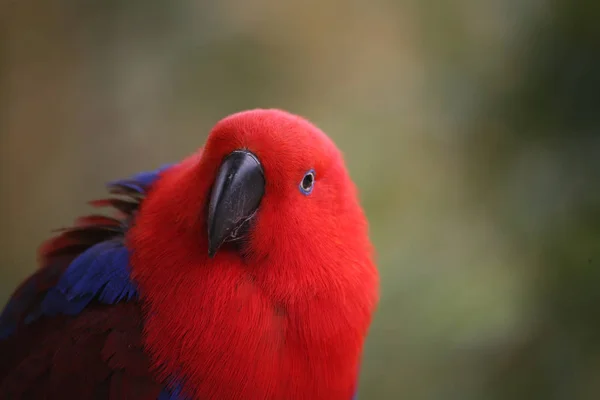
254,265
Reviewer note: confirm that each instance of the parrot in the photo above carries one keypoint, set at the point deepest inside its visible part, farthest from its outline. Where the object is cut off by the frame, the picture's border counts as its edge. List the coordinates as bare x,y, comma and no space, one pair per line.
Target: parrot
244,271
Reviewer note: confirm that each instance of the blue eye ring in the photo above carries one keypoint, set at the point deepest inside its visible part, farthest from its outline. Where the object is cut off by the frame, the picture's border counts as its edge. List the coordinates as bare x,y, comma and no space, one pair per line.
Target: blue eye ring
307,183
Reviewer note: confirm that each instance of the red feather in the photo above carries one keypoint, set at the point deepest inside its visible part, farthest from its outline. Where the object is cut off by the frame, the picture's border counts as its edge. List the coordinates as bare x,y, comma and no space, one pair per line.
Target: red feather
288,319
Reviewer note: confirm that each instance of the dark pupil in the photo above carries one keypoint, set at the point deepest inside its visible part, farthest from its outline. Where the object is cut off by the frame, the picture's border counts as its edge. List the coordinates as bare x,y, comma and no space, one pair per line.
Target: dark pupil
307,181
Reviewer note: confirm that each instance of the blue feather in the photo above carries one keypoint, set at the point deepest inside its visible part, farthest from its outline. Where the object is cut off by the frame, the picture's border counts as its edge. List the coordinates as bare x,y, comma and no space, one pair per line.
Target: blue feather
142,180
133,186
23,298
119,285
172,394
100,272
7,324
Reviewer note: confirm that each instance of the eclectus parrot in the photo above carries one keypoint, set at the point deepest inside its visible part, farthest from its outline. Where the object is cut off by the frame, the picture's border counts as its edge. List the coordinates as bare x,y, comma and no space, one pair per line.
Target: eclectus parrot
243,272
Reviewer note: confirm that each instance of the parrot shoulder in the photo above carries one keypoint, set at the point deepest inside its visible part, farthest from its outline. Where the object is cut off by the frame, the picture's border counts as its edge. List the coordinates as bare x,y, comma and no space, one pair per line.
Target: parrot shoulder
74,327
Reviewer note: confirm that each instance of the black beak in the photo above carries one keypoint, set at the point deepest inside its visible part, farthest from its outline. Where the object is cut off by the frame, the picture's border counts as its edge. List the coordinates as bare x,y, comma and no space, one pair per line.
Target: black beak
236,194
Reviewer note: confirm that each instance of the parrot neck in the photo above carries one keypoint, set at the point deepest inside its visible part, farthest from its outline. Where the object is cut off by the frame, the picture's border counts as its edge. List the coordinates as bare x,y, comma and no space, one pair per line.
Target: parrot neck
218,331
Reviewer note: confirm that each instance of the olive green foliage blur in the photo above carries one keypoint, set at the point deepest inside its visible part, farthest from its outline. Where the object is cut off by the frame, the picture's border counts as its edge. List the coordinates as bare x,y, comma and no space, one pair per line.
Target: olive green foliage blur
471,128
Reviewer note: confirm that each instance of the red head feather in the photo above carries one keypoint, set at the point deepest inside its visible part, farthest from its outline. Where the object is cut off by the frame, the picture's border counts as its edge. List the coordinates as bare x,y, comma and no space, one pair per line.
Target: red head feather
286,316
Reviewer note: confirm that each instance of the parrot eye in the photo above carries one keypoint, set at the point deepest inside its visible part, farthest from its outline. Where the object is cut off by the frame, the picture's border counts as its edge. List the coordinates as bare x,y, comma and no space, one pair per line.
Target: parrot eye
307,183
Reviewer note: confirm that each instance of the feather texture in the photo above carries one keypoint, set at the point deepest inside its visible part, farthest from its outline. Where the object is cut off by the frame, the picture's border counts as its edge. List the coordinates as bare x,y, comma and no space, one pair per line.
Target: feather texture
264,320
76,321
285,314
96,354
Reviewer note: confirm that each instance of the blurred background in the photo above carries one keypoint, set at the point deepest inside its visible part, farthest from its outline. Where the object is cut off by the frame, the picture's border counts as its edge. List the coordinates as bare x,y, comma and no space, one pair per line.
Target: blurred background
470,126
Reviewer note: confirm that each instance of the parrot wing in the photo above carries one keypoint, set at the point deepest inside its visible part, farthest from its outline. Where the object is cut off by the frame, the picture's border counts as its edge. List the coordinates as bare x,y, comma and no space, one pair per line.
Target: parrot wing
73,329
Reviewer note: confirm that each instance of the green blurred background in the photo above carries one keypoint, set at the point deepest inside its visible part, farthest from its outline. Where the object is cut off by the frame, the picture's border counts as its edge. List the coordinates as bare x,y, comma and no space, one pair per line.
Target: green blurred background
470,126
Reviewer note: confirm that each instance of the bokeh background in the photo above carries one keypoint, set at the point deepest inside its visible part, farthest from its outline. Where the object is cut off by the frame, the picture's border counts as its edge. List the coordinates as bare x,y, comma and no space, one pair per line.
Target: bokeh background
470,126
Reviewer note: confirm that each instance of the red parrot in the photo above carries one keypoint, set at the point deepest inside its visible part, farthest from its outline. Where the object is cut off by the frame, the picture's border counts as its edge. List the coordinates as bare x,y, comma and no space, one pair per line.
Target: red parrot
243,272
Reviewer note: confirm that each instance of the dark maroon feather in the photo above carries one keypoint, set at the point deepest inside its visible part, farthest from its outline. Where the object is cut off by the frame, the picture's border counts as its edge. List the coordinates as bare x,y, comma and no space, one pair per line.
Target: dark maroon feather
98,351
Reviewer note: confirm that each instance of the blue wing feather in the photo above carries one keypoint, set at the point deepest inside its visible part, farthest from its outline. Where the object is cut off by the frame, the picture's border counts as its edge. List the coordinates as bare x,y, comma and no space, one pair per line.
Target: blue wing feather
172,394
100,272
141,181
